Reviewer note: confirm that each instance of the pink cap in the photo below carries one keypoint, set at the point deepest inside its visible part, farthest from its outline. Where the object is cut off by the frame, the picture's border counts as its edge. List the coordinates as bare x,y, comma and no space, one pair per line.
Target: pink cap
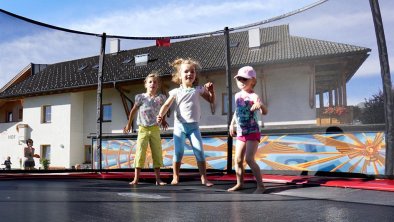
246,72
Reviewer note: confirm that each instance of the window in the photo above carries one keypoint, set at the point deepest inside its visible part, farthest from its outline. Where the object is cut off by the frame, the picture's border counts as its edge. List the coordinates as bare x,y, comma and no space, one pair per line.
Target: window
107,113
128,60
234,44
45,152
82,67
225,103
46,114
88,154
9,117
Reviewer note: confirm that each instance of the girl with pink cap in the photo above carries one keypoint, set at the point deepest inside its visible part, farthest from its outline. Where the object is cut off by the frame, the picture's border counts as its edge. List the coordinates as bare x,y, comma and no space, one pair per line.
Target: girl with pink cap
247,102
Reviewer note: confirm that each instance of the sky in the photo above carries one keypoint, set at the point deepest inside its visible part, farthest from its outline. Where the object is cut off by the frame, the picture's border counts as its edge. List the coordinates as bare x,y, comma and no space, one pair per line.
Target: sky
348,22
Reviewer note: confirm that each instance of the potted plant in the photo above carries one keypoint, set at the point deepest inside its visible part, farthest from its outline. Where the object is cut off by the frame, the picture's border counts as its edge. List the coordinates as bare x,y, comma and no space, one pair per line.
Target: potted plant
45,163
336,114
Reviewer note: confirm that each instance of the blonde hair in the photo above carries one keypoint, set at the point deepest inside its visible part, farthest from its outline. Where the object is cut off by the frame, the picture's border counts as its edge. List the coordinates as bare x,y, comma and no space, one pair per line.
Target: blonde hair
154,75
176,64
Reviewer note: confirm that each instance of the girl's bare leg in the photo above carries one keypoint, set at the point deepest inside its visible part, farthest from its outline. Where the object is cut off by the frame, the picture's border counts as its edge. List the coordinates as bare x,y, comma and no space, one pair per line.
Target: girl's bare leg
251,148
159,182
176,166
203,172
137,172
239,167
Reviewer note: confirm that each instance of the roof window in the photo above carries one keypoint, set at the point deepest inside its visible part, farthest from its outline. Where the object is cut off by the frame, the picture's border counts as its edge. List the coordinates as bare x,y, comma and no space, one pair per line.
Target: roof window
234,44
127,60
82,67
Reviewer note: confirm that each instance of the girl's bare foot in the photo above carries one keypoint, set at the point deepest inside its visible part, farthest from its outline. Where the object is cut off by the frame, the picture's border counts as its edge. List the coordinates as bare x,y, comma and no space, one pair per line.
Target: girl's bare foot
174,181
134,182
160,183
235,188
207,183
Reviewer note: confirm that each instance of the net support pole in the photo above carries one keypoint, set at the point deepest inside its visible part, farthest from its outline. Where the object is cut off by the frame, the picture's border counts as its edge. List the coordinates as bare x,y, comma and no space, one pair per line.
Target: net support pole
230,104
387,86
99,115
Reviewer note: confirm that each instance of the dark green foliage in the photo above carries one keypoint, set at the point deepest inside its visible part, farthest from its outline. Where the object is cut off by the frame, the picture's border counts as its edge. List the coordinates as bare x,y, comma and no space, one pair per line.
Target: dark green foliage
373,112
45,163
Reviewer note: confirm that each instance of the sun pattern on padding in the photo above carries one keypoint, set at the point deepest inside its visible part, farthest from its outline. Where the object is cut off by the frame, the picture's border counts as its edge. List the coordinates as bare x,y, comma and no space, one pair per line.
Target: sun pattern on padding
343,152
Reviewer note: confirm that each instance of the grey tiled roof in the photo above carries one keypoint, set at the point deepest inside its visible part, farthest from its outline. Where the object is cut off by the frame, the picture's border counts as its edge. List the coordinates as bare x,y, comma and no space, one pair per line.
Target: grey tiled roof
278,46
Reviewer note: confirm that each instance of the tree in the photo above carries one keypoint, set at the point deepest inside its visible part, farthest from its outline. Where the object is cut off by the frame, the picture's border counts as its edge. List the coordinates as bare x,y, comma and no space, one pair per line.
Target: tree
373,112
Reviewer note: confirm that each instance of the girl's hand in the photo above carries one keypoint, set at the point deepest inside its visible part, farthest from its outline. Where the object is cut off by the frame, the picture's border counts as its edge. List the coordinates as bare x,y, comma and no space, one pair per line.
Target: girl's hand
232,131
209,86
126,129
210,96
164,125
259,106
256,106
159,119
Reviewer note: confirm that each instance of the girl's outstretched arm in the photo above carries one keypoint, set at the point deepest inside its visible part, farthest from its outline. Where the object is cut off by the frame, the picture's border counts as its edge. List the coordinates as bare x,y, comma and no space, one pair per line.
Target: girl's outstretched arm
127,128
164,108
209,94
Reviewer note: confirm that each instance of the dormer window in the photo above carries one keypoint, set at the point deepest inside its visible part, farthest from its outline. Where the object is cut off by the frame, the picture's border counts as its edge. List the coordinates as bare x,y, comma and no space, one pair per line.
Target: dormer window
141,59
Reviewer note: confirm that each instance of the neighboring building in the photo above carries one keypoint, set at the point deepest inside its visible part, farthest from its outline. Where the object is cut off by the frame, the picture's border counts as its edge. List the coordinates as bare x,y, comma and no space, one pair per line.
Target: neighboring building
55,104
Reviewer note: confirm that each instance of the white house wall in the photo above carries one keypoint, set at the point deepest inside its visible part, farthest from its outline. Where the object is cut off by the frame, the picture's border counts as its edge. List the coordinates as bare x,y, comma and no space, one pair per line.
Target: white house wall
288,97
57,133
119,118
76,129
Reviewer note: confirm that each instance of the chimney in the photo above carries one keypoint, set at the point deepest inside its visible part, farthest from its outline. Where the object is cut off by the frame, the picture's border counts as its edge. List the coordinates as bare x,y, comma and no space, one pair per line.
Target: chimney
254,38
114,46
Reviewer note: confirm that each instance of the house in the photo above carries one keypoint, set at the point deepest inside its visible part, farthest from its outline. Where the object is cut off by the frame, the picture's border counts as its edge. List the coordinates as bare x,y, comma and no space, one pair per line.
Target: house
55,104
